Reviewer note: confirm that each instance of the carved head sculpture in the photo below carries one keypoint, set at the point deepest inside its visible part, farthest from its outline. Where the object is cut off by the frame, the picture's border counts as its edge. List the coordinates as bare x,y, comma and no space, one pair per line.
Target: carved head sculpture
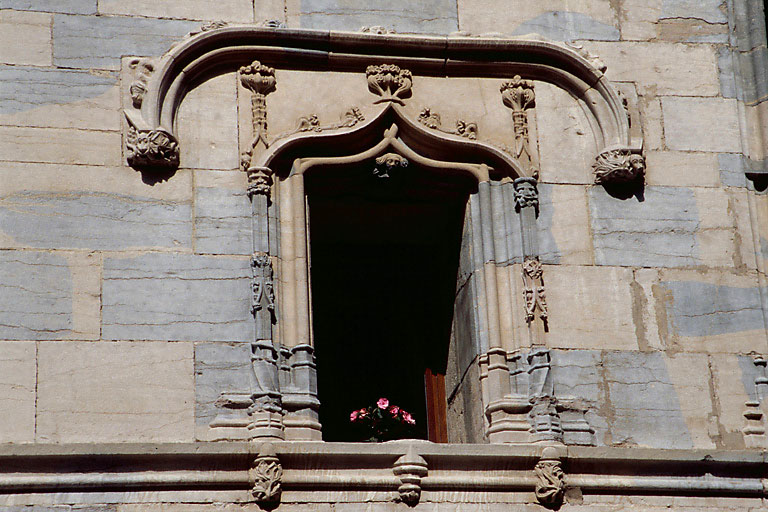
526,194
386,163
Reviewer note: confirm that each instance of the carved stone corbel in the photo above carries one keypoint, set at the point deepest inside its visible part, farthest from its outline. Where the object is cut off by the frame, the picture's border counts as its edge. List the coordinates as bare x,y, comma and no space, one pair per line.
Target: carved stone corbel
387,163
151,148
390,82
616,166
259,179
410,469
265,476
526,195
551,478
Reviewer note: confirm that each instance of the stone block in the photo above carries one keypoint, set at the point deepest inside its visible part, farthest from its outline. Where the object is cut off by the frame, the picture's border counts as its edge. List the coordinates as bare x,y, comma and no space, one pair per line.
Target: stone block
639,18
36,295
589,307
744,238
177,297
566,141
711,11
652,123
54,145
568,26
222,213
207,125
732,169
85,270
682,169
422,16
646,309
62,6
115,392
644,402
729,396
219,368
570,224
25,38
661,68
99,41
727,73
18,368
701,124
58,98
238,11
692,31
659,231
717,236
689,374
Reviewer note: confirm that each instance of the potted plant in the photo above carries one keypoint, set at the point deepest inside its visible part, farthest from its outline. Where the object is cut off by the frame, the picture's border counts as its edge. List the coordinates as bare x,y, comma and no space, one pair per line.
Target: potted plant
383,422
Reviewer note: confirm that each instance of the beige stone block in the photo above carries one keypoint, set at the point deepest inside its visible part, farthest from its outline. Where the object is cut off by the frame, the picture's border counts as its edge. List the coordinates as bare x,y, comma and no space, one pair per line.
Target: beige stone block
480,17
17,391
645,309
230,180
717,248
55,145
26,38
653,127
689,374
639,18
701,124
757,129
239,11
566,142
747,247
590,307
717,233
266,10
570,225
115,392
207,125
681,169
661,68
85,272
729,399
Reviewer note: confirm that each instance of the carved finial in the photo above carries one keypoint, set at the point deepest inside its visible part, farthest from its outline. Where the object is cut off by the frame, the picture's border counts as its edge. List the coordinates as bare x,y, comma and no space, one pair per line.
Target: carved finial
266,475
410,468
618,166
390,82
551,479
151,148
260,79
526,194
386,163
518,94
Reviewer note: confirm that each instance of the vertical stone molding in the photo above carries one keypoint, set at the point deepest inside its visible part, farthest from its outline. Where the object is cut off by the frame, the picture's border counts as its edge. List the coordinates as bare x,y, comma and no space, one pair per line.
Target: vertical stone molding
410,469
299,394
266,409
265,476
755,429
550,484
519,95
545,420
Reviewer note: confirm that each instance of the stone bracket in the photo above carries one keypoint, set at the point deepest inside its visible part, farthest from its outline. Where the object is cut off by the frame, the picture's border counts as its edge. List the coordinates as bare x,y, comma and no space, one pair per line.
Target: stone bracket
410,469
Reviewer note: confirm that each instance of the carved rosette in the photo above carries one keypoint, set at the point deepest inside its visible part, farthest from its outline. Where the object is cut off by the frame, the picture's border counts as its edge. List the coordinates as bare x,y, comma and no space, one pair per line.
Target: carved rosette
387,163
410,469
618,166
263,286
534,293
266,474
151,148
390,82
550,484
518,95
526,194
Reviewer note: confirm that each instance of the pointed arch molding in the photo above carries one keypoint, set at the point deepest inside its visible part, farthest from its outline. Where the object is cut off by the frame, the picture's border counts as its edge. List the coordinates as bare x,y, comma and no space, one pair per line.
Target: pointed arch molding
162,84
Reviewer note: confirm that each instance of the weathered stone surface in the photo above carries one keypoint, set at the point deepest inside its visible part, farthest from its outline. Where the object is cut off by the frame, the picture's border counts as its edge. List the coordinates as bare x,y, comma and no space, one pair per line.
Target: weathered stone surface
115,392
639,18
85,270
25,38
54,145
729,396
423,16
36,296
99,41
569,225
219,368
567,26
207,121
239,11
682,169
644,402
17,391
727,74
603,303
63,6
673,69
717,234
701,124
58,98
653,126
711,11
692,31
689,373
222,213
657,232
177,297
646,308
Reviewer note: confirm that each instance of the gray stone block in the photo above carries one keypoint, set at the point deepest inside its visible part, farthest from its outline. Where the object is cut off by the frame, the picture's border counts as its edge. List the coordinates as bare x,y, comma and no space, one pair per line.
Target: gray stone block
219,368
222,221
732,170
705,309
25,88
177,297
63,6
95,221
749,372
100,41
643,401
568,26
754,64
711,11
659,231
35,296
421,16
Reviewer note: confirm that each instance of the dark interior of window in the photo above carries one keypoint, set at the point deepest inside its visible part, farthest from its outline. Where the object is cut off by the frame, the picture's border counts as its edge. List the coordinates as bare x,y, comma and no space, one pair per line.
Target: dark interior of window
384,260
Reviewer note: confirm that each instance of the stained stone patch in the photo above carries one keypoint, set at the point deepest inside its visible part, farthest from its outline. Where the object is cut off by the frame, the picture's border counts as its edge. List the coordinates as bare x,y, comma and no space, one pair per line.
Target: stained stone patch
222,221
659,231
568,26
219,368
35,296
177,297
421,16
99,41
63,6
100,221
705,309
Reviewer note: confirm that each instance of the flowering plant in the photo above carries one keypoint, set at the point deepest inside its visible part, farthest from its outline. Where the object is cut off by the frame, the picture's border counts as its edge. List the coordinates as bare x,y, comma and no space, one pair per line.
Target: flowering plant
383,421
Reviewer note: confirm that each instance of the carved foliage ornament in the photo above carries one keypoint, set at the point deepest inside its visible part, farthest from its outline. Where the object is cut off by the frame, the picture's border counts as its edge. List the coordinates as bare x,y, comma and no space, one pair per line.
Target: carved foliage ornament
266,474
388,162
151,148
390,82
263,285
618,166
534,293
260,80
518,95
550,483
431,119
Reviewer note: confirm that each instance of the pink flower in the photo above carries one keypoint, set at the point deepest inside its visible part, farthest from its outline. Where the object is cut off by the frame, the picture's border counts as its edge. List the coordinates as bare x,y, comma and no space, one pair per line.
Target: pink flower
362,413
408,418
353,416
394,410
383,403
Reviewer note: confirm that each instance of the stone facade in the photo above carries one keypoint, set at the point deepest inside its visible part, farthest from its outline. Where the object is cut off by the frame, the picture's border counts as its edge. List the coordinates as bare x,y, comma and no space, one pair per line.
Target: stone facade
610,322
